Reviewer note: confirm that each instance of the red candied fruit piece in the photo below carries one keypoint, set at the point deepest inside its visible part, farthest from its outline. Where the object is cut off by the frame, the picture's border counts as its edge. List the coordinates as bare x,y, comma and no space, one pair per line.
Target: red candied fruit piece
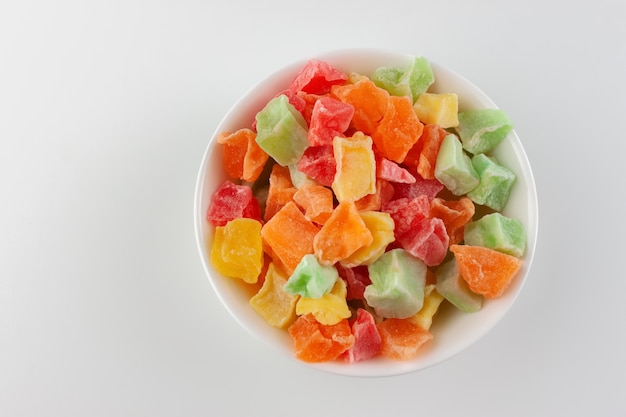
392,172
367,339
421,186
294,99
427,241
231,201
407,213
318,162
316,342
357,278
423,237
309,103
329,118
317,77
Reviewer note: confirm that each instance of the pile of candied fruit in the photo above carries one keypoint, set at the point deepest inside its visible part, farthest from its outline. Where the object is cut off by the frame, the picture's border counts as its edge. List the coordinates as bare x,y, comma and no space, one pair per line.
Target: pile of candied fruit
356,204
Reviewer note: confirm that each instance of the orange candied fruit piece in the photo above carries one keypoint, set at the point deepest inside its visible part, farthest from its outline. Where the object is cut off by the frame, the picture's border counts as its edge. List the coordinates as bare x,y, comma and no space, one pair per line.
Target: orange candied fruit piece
317,202
316,342
343,234
401,339
486,271
431,139
243,158
288,236
281,191
455,215
375,201
369,102
399,129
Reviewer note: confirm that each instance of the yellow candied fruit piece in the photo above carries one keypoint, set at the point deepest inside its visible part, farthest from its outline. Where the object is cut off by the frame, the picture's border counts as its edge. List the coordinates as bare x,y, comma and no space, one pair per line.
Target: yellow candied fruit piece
272,302
439,109
356,167
330,309
432,300
237,249
382,226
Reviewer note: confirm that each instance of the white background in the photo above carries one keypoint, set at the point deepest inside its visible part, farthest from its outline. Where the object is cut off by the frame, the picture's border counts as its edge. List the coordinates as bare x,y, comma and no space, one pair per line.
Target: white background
106,108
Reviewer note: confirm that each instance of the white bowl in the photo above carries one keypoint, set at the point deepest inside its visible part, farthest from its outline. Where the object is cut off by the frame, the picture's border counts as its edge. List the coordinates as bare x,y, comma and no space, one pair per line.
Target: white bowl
453,330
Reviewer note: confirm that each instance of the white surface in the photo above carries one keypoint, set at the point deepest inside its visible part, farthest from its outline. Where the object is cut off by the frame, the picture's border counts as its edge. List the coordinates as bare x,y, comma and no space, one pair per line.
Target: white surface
105,110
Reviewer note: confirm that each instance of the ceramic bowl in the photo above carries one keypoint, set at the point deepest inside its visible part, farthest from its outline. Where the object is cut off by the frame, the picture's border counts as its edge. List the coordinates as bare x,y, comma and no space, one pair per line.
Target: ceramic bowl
453,330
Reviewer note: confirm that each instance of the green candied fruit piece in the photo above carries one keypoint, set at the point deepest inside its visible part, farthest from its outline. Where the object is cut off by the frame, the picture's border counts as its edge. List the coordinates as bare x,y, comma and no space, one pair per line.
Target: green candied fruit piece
410,82
481,130
282,131
311,279
498,232
454,168
452,286
397,288
390,79
496,182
